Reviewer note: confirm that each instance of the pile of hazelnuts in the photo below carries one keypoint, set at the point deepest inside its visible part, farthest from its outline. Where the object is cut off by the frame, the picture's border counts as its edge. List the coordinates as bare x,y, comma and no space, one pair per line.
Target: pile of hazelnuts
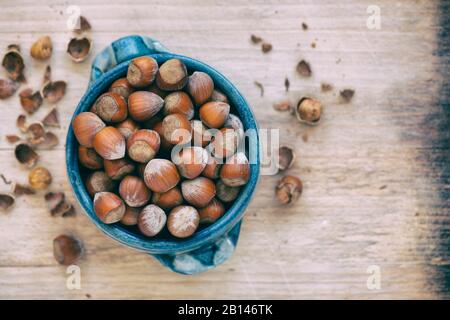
127,142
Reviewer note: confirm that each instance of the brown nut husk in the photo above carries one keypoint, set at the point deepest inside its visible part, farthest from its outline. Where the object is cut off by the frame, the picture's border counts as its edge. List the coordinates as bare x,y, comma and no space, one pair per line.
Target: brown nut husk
347,95
21,189
30,101
26,155
51,119
304,69
39,178
54,91
283,105
21,123
47,75
57,204
308,110
13,63
79,49
12,138
7,88
42,49
286,157
50,140
67,250
288,189
83,25
6,201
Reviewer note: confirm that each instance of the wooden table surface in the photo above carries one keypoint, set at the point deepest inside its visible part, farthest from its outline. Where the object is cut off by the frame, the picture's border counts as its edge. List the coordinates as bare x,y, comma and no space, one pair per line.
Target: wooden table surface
375,171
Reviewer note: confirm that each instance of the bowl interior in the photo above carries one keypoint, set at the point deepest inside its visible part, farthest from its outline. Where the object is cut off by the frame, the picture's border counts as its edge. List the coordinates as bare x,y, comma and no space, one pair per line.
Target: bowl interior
167,245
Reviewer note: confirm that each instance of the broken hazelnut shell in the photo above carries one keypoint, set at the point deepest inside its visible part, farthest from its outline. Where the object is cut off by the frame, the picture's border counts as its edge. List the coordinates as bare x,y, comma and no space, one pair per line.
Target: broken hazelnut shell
286,157
6,201
30,101
7,88
67,250
53,91
26,155
13,63
288,189
51,119
79,49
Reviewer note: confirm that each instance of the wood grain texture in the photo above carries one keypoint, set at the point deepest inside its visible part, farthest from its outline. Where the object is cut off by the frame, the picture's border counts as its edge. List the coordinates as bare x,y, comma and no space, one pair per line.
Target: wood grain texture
374,170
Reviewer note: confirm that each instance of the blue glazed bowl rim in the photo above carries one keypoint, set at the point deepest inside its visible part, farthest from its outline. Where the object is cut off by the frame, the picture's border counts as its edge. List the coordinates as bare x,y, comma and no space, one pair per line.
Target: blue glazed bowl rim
165,246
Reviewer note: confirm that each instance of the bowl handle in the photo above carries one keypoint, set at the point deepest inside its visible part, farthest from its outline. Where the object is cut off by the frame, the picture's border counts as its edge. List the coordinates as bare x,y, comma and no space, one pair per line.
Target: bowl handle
204,258
124,49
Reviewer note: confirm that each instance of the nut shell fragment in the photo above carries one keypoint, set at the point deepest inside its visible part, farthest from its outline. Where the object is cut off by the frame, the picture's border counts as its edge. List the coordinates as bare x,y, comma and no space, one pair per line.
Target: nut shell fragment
26,155
79,49
6,201
30,101
7,88
51,119
54,91
13,63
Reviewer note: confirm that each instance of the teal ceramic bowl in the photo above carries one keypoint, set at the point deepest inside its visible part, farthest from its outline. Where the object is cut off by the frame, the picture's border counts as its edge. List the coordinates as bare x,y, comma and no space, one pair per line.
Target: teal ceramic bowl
208,247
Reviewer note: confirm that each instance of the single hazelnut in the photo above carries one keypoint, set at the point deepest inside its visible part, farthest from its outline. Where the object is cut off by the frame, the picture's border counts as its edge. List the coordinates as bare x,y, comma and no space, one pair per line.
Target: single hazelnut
39,178
200,86
288,189
79,48
122,87
225,143
200,134
190,161
98,181
151,220
42,48
235,171
177,129
169,199
198,192
130,217
117,169
134,191
109,143
143,145
172,75
142,105
127,127
108,207
67,249
111,107
142,71
286,157
212,212
179,102
183,221
219,96
160,175
308,110
212,168
165,145
214,114
26,155
226,193
89,158
85,126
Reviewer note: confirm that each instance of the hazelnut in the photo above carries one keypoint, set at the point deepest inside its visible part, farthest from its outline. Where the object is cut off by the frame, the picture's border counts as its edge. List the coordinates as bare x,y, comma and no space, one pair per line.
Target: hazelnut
160,175
42,48
89,158
122,87
142,105
179,102
143,145
111,107
308,110
26,155
7,88
127,127
177,129
85,126
117,169
198,192
225,143
200,86
67,250
169,199
219,96
183,221
200,134
226,193
235,171
165,145
214,114
288,189
109,143
130,217
234,122
79,49
286,157
190,161
212,168
212,212
142,71
151,220
134,191
108,207
39,178
98,181
172,75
